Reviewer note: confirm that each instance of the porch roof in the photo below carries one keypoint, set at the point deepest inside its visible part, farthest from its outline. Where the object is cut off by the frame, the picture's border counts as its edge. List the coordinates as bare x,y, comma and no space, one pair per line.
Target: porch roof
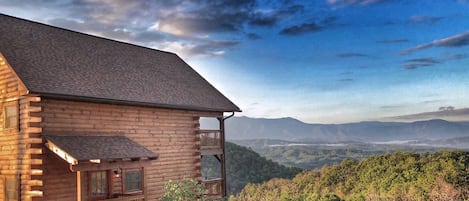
75,148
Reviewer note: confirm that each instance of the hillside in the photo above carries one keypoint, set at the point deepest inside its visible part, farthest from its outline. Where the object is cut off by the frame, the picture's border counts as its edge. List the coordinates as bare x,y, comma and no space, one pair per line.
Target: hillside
239,128
398,176
245,166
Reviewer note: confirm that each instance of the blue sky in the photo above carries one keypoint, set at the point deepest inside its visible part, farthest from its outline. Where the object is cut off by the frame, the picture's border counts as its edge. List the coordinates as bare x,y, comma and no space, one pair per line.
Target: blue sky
325,61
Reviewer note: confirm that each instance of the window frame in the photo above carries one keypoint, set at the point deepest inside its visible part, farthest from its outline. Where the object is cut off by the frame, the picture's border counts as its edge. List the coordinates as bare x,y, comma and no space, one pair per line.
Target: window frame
108,180
124,181
5,118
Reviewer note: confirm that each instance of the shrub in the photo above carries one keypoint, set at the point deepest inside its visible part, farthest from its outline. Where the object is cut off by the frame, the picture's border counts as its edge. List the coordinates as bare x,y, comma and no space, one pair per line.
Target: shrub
184,190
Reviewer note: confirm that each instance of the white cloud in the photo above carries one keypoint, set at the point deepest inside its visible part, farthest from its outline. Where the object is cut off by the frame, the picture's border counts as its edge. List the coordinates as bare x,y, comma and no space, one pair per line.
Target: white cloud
172,29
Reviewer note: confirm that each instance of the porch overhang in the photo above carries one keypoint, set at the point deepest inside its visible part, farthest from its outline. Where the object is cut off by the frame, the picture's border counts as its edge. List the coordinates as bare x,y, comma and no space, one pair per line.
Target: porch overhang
84,153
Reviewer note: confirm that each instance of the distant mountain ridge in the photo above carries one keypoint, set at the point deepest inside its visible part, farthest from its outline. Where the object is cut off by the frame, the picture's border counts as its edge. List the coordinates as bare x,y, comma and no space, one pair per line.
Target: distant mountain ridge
241,128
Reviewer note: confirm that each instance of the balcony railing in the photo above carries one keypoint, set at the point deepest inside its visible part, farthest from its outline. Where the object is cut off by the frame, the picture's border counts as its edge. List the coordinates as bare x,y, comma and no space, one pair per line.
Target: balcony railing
210,139
213,188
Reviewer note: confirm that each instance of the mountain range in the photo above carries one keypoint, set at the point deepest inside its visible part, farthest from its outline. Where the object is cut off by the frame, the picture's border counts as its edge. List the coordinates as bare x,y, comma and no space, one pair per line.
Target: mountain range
290,129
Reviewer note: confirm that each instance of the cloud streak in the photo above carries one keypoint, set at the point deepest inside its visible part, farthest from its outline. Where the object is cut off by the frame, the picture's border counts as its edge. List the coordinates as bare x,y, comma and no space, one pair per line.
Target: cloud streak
424,19
309,27
301,29
412,64
451,115
458,40
427,60
389,41
344,3
351,54
346,80
457,56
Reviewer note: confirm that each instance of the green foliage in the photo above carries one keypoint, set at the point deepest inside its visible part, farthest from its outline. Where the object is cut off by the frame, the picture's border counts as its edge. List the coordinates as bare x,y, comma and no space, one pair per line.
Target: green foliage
184,190
398,176
245,166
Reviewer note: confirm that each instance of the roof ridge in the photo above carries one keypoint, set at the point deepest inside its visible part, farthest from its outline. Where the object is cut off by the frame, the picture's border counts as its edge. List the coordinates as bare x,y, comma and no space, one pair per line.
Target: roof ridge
85,34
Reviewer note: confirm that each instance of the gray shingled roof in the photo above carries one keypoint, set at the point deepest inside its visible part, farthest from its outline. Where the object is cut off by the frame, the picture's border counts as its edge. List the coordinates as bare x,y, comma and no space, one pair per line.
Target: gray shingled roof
85,148
57,62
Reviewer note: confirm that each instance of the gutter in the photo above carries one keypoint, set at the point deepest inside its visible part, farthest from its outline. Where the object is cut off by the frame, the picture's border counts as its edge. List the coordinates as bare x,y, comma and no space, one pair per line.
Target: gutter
229,116
223,162
133,103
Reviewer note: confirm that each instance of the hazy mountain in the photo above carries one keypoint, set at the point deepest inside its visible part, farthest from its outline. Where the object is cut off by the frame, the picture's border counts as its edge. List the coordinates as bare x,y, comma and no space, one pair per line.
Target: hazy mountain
238,128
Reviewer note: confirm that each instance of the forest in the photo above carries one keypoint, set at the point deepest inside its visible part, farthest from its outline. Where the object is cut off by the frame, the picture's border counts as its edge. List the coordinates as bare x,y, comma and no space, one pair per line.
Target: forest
406,176
245,166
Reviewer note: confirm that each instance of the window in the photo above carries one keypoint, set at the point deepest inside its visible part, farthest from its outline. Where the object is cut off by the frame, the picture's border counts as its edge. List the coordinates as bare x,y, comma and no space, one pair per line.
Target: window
10,115
133,180
98,185
115,183
11,188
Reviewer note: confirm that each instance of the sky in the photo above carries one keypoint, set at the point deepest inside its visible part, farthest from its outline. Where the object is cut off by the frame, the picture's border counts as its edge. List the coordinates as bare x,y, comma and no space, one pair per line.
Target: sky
320,61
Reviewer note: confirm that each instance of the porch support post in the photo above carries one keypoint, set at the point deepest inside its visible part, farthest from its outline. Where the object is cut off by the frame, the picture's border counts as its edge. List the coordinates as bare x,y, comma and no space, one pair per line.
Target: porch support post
78,185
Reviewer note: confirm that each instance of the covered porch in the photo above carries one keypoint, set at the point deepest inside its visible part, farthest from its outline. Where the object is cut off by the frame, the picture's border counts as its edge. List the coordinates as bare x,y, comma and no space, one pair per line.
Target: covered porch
105,167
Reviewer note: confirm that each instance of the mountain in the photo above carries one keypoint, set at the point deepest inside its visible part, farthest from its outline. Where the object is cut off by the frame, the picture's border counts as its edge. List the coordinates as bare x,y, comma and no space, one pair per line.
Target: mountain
398,176
239,128
245,166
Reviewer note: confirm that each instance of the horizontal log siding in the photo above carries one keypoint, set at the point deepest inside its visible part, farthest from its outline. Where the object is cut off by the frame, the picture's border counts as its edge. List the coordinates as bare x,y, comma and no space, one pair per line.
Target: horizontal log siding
172,134
59,183
18,147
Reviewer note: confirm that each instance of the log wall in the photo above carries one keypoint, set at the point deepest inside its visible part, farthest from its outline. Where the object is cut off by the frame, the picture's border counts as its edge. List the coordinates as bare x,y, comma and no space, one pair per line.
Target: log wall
19,146
172,134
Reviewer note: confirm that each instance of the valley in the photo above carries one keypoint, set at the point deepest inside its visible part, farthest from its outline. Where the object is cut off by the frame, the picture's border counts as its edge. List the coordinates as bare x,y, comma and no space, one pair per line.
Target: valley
259,150
316,155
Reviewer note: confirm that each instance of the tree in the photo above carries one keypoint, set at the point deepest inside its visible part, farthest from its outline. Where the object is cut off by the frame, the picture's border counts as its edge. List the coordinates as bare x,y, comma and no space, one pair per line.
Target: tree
444,191
400,176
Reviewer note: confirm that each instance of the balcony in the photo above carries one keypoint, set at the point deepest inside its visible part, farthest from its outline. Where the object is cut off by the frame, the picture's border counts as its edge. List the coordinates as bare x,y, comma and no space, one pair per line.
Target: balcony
213,188
210,142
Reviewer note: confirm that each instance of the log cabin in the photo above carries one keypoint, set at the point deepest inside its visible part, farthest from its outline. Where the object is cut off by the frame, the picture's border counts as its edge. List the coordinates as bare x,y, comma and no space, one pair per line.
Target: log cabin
89,118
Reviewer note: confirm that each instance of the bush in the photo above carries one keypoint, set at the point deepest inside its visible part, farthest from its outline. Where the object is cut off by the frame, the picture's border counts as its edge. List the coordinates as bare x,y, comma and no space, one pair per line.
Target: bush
184,190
